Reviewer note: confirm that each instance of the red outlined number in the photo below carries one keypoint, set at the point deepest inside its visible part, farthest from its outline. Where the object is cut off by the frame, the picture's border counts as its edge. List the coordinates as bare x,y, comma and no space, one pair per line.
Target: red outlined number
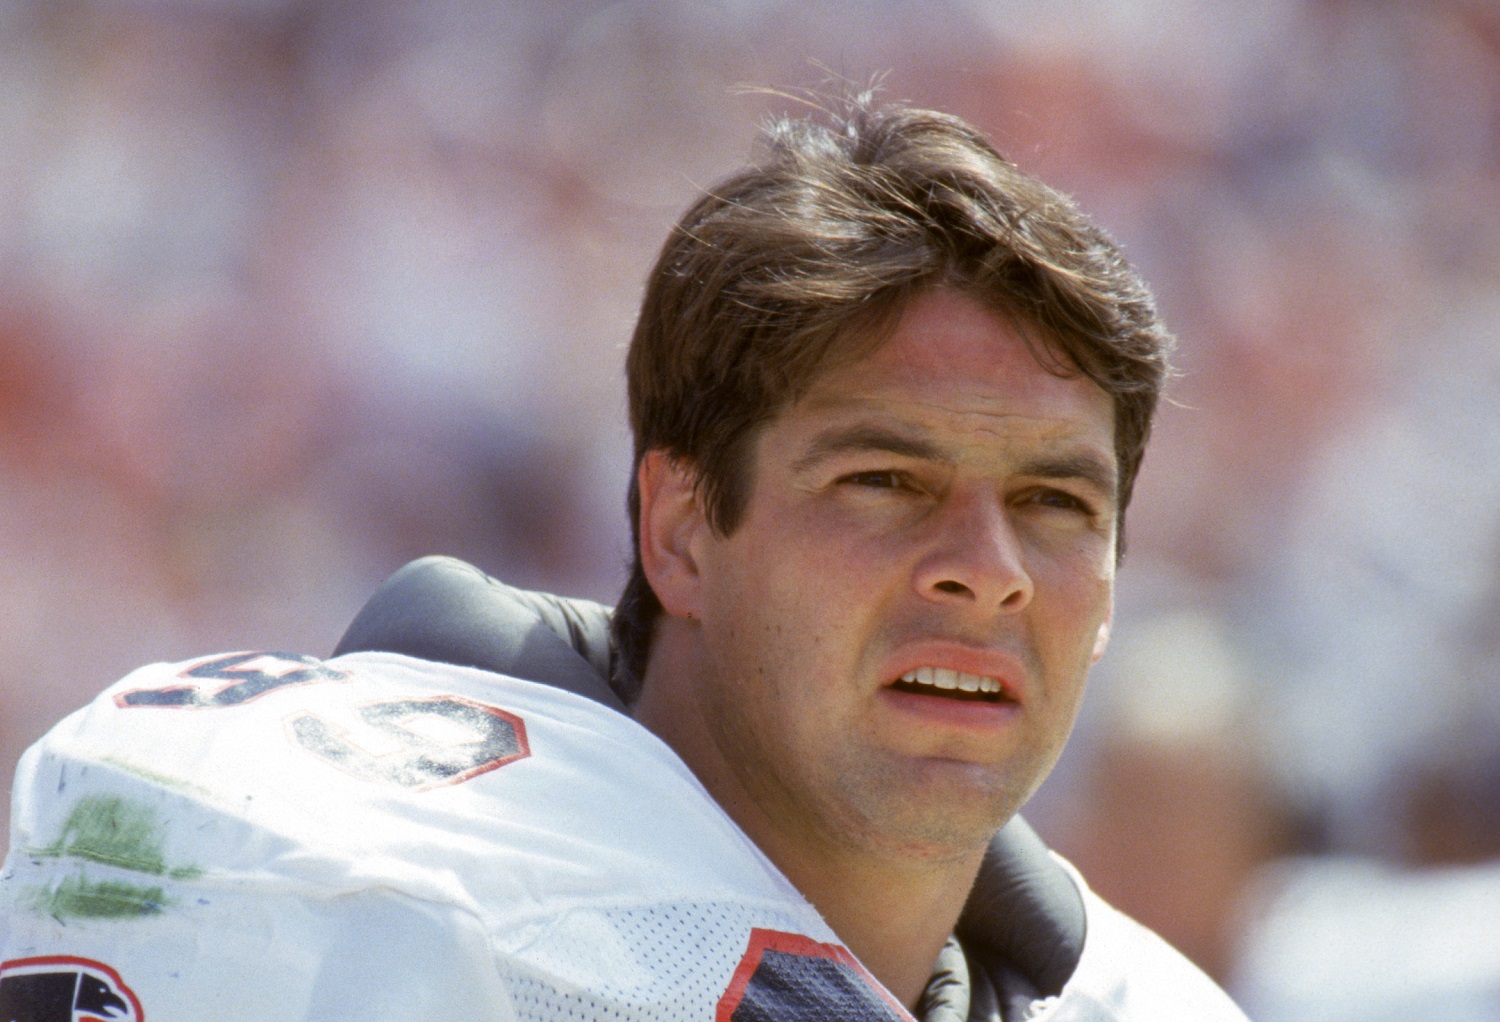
416,743
232,679
784,977
479,738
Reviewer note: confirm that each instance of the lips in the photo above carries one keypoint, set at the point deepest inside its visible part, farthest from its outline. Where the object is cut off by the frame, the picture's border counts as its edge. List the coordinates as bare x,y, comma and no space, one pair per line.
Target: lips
956,671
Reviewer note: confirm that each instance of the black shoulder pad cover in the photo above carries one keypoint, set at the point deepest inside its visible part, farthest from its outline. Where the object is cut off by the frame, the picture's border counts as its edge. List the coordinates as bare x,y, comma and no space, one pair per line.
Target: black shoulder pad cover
446,610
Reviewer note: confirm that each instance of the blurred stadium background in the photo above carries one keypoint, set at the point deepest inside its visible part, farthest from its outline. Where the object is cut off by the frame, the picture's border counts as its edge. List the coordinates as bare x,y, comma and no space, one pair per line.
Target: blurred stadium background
292,291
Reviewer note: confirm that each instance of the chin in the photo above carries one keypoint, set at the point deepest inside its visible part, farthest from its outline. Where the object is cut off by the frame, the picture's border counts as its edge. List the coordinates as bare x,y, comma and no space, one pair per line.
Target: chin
933,827
932,842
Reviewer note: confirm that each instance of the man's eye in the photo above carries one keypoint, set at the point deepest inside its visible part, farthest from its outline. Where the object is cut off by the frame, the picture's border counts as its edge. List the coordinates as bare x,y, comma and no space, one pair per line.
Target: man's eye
1060,500
878,480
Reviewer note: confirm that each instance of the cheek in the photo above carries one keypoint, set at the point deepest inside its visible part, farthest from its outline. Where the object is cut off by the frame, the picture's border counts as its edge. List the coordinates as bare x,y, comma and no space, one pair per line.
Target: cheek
787,623
805,562
1076,606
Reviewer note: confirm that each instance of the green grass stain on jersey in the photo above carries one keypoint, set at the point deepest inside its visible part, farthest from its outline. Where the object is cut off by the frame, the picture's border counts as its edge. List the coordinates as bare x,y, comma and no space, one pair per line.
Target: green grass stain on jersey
114,831
78,897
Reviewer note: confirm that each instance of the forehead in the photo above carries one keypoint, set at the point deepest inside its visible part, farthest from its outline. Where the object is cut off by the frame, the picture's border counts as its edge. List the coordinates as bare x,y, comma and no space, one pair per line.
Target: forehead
954,364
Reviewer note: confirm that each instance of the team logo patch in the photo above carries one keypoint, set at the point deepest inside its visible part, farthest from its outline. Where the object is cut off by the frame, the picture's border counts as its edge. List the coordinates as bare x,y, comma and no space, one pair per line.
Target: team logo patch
786,976
65,989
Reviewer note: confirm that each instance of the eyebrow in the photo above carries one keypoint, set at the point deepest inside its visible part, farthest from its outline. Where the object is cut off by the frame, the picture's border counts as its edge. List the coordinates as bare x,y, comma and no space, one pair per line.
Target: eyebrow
868,437
1098,472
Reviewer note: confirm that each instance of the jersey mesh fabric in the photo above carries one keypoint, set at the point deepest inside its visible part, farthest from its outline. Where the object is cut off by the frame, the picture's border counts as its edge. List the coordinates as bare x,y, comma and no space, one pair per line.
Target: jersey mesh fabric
685,961
663,962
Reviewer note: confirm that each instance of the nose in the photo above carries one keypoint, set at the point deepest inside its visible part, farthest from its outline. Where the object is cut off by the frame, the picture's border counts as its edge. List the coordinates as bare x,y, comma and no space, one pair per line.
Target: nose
975,557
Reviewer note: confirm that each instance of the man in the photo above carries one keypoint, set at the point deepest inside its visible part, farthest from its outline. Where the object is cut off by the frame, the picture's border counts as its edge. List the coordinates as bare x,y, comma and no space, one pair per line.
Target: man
889,398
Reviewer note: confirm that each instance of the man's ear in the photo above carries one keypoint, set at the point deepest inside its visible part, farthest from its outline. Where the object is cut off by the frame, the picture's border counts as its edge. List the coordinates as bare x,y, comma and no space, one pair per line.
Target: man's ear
672,522
1101,639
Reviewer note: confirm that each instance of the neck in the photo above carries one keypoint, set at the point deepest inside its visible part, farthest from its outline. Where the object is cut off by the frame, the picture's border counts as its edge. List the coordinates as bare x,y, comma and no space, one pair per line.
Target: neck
893,916
893,906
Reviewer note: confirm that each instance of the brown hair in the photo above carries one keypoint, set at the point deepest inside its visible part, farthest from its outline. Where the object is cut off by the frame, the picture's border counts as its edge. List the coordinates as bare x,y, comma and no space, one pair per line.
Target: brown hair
812,253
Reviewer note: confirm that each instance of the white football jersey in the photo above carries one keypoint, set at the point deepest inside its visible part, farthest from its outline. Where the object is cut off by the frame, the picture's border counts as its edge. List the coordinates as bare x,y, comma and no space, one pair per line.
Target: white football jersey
267,836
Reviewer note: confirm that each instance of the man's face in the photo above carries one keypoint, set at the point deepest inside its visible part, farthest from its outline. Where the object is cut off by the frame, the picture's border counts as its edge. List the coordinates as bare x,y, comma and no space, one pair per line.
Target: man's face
892,645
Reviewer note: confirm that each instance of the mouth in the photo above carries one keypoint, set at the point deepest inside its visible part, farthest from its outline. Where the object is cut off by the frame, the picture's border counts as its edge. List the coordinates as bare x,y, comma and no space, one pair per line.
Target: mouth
945,683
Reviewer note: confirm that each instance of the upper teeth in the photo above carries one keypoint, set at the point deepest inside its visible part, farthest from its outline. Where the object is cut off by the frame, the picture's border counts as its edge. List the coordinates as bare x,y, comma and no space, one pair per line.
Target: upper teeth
942,677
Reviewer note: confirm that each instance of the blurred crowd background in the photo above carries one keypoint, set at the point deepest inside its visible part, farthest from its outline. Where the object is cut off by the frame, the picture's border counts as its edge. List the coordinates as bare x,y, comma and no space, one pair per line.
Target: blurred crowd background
293,291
